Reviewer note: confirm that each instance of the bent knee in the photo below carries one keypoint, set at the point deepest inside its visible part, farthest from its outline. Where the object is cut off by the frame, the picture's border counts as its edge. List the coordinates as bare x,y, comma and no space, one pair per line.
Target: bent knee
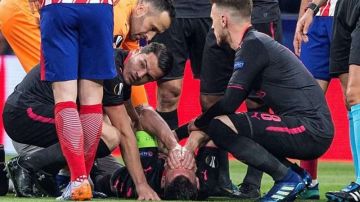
169,91
225,120
207,101
168,96
353,96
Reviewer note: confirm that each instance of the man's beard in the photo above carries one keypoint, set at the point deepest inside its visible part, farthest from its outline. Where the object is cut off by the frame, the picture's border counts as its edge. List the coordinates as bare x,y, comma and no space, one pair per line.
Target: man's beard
222,40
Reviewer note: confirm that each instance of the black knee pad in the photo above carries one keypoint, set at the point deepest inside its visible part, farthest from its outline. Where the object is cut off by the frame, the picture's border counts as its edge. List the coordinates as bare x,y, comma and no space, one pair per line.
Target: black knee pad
225,138
220,133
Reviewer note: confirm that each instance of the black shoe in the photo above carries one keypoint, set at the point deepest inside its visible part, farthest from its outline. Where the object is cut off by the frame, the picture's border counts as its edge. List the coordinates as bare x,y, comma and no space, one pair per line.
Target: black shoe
37,192
231,191
95,171
97,194
348,194
249,191
21,178
310,193
4,181
46,183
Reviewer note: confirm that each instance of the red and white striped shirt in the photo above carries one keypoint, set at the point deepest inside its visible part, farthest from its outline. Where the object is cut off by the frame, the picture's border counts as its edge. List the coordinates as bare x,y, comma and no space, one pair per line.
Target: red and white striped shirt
48,2
328,9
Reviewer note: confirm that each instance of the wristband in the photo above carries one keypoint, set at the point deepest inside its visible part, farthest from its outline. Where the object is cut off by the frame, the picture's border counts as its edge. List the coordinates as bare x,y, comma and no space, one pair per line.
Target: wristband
177,147
183,150
314,8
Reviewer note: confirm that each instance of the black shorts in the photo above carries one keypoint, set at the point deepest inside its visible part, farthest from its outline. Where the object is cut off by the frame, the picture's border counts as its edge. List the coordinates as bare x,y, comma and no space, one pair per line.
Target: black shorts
345,46
218,61
283,136
273,29
27,126
185,38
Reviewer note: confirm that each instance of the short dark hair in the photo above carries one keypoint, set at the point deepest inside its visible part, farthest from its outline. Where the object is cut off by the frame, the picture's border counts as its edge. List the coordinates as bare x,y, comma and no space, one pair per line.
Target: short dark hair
165,58
243,6
163,5
181,188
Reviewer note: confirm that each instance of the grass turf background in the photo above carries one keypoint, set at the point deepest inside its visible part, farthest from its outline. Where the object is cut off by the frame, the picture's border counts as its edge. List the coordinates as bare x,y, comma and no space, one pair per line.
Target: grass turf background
332,176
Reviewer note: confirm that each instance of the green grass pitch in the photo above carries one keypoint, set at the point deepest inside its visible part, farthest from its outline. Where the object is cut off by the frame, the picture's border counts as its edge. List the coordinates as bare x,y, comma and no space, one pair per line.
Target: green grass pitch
332,176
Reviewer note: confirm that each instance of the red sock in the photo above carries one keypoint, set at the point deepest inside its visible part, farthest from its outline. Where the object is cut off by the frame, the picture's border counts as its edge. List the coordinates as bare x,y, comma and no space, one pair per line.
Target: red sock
69,130
91,119
311,167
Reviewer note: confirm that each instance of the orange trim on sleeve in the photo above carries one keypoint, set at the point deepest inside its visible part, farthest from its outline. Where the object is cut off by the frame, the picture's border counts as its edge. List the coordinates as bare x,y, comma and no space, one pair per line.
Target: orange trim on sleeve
122,13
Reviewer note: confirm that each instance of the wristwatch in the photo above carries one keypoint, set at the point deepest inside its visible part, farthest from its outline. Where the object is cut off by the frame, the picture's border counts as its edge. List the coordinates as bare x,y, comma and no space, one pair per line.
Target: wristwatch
314,8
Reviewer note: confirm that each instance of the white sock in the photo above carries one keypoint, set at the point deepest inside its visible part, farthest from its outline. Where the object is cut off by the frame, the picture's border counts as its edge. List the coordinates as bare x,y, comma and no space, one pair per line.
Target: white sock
314,183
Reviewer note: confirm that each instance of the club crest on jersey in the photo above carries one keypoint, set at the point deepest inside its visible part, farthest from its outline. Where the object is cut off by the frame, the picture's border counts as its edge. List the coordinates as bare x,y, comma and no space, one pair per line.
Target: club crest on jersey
212,161
118,89
118,40
239,64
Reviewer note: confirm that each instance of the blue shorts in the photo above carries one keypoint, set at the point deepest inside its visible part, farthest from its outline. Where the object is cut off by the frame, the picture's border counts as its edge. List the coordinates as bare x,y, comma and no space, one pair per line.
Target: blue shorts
315,54
77,42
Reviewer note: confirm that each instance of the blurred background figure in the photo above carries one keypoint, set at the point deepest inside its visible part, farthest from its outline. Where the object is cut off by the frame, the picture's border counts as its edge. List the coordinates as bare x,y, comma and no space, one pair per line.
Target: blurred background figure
4,46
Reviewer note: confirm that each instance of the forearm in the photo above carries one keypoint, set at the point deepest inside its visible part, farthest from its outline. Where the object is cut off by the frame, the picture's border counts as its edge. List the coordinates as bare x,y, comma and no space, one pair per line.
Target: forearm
152,123
304,4
121,121
319,3
111,136
134,116
226,105
195,140
131,156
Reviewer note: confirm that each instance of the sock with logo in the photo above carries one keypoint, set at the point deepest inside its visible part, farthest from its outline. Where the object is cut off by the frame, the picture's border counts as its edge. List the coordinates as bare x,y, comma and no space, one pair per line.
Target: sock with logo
91,117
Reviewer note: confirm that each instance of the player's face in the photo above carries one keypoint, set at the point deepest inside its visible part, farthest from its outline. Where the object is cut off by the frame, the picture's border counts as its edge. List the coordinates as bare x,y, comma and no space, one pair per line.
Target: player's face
148,22
217,25
141,68
171,174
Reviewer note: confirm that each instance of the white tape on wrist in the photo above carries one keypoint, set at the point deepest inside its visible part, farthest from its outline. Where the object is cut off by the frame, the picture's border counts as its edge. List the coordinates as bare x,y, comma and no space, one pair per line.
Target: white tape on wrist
177,147
183,150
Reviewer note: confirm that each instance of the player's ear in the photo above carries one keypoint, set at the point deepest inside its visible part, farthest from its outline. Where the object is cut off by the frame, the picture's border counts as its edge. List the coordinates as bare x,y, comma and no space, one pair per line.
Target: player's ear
224,21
